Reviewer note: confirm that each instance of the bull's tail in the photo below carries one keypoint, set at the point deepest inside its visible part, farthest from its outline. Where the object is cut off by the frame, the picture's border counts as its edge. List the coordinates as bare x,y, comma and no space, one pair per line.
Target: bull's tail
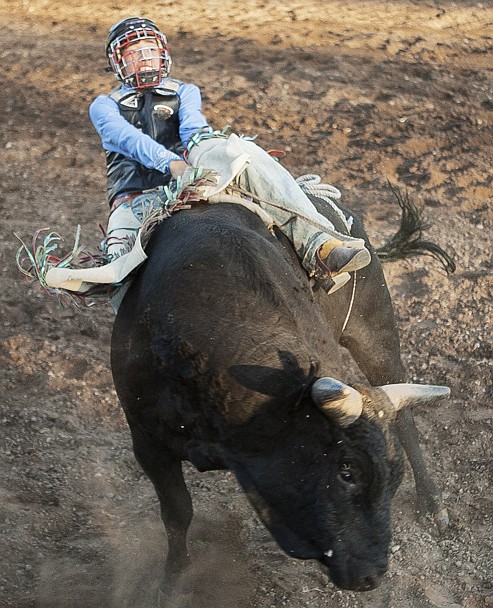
407,241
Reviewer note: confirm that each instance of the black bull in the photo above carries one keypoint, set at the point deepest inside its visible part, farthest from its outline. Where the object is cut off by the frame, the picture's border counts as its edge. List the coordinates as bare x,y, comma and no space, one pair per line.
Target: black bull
223,355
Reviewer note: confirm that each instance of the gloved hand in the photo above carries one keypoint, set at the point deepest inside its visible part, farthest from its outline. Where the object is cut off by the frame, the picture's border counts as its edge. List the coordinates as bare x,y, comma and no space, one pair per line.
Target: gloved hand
177,168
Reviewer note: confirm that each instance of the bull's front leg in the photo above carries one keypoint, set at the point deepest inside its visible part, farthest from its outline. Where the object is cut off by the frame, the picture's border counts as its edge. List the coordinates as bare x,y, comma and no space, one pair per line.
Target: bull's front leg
372,338
165,472
428,496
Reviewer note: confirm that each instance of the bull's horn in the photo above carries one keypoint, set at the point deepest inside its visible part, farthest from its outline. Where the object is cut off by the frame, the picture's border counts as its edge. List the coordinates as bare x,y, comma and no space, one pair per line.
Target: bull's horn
406,395
340,402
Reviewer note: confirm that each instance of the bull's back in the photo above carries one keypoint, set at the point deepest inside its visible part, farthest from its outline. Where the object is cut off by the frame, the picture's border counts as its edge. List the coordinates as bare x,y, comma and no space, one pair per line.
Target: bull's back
213,257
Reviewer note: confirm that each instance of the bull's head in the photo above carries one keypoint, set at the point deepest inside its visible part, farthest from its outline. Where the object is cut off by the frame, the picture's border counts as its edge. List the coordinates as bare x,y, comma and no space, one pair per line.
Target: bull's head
325,493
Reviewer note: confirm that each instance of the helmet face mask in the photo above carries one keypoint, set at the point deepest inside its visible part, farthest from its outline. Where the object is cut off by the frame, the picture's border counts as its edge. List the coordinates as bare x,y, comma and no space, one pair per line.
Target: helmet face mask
138,53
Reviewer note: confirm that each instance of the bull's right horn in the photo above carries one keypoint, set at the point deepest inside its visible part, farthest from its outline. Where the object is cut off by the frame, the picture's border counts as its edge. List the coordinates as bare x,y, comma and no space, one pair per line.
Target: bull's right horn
340,402
405,395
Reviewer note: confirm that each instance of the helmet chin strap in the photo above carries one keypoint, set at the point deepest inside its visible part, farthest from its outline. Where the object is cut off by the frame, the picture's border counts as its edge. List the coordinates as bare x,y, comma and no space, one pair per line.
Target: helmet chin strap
148,78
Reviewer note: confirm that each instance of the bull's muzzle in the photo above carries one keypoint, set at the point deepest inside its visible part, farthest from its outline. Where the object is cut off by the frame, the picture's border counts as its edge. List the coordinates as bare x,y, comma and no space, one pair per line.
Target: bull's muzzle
356,574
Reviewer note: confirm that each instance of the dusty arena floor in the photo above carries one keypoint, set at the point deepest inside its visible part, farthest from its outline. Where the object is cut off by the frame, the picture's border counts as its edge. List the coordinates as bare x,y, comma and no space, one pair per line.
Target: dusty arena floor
360,92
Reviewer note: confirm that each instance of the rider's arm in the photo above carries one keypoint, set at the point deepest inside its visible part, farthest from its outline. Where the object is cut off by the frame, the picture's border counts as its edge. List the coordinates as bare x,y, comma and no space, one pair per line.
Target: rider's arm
118,135
190,112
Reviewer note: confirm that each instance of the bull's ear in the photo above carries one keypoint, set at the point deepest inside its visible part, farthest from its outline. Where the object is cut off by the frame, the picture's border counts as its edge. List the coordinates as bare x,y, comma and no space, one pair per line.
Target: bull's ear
340,402
407,395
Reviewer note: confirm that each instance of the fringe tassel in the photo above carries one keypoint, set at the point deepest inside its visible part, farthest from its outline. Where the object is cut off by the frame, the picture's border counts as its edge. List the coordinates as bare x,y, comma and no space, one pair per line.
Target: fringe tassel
35,260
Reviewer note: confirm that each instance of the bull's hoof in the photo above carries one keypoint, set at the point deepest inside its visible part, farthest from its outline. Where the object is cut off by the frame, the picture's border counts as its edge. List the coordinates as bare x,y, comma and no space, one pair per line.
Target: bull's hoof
442,520
430,506
439,516
175,588
177,599
161,599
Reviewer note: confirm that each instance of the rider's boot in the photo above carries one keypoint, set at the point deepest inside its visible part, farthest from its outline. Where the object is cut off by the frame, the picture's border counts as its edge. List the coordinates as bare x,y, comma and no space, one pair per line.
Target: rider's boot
335,261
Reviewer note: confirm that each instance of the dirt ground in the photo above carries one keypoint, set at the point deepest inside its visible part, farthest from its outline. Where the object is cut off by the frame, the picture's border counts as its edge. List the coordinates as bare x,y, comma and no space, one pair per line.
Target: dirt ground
360,92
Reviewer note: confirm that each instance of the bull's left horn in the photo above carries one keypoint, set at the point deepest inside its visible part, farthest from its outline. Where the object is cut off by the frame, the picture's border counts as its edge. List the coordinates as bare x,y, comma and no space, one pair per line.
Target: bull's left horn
406,395
340,402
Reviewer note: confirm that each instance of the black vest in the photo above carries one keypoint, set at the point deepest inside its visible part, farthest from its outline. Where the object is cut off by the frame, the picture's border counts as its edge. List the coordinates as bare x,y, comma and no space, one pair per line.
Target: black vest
154,112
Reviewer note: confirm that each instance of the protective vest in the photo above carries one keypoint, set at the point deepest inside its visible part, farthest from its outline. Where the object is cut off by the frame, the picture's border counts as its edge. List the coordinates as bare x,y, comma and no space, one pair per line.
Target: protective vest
154,112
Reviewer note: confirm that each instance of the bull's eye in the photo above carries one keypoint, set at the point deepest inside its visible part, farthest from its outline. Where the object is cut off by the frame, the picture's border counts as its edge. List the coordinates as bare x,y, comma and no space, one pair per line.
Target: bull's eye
346,474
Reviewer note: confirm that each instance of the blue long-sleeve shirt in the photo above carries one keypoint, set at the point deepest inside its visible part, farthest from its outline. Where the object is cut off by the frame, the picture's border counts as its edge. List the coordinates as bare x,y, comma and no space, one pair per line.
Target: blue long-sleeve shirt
118,135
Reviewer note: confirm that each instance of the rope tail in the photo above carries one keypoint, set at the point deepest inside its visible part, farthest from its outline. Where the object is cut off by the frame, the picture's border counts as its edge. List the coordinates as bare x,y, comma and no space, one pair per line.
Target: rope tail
407,241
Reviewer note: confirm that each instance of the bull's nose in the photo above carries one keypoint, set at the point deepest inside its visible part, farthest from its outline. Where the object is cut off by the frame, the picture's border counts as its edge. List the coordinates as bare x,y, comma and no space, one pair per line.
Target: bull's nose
356,575
369,582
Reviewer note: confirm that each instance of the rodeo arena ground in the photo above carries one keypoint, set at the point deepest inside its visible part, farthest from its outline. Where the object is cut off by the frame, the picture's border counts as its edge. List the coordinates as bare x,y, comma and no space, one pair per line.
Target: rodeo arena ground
392,103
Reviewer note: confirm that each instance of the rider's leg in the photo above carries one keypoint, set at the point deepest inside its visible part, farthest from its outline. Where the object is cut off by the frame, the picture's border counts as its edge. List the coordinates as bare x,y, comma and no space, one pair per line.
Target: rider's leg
120,247
322,250
125,221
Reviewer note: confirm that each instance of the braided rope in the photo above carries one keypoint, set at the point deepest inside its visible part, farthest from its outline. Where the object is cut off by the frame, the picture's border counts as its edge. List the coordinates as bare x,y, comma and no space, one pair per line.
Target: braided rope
310,184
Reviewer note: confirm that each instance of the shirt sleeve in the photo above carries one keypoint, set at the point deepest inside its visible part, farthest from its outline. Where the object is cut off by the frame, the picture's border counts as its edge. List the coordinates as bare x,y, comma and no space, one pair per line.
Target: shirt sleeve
190,112
118,135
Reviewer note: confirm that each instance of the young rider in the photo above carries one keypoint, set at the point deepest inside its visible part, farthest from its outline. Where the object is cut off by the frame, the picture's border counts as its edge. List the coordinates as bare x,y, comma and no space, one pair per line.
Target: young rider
145,125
